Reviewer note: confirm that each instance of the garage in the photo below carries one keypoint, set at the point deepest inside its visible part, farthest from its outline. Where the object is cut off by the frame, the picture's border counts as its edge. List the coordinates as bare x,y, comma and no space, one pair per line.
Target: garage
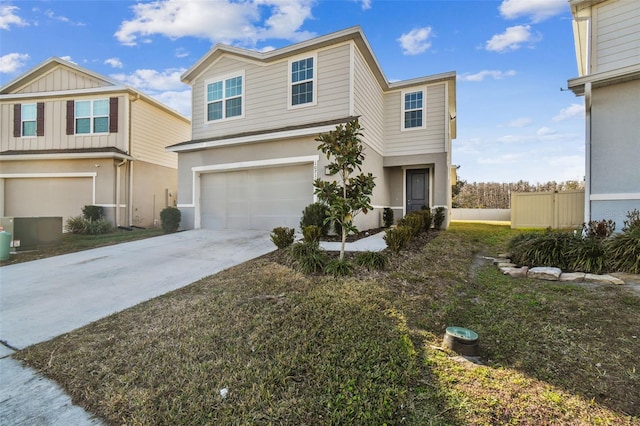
257,198
51,196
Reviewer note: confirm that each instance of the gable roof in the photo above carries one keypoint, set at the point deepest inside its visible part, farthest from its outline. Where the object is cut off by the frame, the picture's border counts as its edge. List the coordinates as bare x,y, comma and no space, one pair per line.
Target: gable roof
102,84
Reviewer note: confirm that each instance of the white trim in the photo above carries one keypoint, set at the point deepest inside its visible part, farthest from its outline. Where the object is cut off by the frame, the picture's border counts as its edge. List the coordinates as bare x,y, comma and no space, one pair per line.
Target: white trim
352,78
256,164
92,175
65,156
403,93
110,205
186,205
314,102
223,78
615,197
263,137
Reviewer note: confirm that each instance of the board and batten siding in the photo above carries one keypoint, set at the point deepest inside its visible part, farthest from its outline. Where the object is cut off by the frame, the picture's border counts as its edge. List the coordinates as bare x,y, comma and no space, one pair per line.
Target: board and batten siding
430,140
617,39
55,137
368,103
152,130
266,94
62,78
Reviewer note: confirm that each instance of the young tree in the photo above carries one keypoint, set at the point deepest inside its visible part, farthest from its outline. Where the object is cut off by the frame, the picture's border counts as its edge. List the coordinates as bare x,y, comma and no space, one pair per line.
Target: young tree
350,195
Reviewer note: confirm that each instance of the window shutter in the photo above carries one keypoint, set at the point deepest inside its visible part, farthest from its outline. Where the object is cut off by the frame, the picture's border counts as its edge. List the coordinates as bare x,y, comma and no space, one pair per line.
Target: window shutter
40,119
70,117
113,115
17,120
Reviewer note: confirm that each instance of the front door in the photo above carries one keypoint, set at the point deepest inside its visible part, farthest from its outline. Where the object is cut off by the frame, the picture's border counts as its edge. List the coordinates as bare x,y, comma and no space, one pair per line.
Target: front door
417,189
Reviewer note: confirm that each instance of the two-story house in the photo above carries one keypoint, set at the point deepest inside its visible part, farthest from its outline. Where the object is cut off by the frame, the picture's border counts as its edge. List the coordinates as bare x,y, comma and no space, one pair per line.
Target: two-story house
70,137
252,157
607,46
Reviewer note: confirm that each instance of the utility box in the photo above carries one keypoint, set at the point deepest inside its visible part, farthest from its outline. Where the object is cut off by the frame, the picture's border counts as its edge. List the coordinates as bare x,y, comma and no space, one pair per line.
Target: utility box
31,233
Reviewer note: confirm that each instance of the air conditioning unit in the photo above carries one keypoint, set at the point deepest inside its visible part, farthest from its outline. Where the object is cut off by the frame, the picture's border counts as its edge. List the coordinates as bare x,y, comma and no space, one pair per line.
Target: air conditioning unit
30,233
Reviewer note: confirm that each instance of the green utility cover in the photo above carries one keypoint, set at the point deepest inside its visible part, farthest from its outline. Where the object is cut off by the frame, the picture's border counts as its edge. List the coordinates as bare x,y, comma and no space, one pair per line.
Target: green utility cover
462,333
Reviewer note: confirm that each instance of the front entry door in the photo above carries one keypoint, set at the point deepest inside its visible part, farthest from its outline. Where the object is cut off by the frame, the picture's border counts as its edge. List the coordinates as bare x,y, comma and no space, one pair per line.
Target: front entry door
417,189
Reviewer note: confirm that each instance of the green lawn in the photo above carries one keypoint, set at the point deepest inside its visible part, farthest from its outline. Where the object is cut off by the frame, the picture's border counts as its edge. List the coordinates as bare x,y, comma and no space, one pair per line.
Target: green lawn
295,349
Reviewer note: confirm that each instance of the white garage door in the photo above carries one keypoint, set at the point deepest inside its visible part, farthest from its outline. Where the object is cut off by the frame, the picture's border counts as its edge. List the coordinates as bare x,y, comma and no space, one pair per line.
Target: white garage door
262,198
25,197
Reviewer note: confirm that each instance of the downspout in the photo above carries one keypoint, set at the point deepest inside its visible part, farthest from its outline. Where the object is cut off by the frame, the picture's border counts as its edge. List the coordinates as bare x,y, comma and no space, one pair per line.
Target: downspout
129,127
122,163
587,153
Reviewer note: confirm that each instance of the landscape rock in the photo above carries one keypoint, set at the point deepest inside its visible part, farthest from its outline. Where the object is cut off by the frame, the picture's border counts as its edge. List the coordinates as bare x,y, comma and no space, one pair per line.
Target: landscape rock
499,260
572,277
545,273
506,265
627,278
515,272
602,279
505,255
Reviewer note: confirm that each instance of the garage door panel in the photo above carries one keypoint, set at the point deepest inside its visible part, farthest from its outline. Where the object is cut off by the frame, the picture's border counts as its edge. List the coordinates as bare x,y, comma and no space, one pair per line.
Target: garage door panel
261,198
65,197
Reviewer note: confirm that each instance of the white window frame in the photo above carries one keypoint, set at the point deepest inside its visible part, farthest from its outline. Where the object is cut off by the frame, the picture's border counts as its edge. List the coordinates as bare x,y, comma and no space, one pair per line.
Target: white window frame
34,120
223,79
423,90
92,116
314,81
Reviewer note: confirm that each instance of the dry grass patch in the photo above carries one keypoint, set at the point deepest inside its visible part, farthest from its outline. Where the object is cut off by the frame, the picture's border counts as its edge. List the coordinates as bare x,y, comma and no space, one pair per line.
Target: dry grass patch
295,349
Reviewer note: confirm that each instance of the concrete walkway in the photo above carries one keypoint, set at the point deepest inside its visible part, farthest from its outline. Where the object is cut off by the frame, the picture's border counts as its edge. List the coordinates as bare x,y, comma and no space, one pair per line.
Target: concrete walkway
45,298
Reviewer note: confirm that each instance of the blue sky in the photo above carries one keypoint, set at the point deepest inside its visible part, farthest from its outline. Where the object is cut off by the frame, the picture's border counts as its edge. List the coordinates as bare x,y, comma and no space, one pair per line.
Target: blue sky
512,57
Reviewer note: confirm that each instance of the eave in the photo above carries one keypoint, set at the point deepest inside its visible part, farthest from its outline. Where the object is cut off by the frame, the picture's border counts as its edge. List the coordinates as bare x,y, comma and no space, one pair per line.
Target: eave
604,79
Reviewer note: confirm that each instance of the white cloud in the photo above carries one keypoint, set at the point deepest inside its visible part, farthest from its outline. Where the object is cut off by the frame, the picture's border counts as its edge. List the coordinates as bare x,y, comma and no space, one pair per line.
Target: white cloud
114,62
545,131
480,76
181,52
8,17
12,62
153,81
502,159
537,10
366,4
572,111
51,15
235,21
415,41
68,59
177,100
520,122
511,39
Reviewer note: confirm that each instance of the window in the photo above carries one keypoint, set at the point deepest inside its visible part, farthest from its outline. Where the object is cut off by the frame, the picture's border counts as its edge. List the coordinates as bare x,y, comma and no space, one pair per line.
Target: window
28,116
92,116
302,82
413,110
224,98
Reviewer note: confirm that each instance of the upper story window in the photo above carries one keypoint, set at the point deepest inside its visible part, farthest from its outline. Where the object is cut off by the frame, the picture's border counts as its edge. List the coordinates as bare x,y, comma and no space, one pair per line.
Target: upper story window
302,82
224,98
92,116
28,116
413,112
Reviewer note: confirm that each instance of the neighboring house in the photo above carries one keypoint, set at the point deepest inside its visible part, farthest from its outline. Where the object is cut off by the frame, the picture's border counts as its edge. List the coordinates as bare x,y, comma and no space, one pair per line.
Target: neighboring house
607,40
70,137
252,157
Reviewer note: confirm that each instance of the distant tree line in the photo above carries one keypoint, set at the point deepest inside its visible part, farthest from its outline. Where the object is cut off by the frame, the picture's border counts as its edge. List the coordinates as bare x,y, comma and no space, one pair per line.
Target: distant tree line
494,195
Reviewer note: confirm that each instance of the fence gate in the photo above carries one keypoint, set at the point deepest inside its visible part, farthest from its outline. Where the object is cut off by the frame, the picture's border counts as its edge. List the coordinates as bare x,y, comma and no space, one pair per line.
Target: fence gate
547,209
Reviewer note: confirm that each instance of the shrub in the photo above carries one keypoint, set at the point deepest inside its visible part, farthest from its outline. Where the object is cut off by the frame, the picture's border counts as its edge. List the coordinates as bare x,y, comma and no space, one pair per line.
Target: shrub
170,219
427,217
599,229
97,227
316,214
75,224
587,255
339,268
92,213
387,217
312,234
623,250
309,257
372,260
397,238
633,222
282,237
550,248
414,222
439,217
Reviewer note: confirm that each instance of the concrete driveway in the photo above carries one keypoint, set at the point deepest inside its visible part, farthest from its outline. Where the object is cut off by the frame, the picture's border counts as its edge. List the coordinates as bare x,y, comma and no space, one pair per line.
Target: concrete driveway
45,298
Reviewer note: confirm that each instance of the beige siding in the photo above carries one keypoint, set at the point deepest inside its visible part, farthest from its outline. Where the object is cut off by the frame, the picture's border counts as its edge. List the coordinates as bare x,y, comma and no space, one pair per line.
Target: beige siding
62,78
368,103
617,39
422,141
265,97
55,136
152,130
